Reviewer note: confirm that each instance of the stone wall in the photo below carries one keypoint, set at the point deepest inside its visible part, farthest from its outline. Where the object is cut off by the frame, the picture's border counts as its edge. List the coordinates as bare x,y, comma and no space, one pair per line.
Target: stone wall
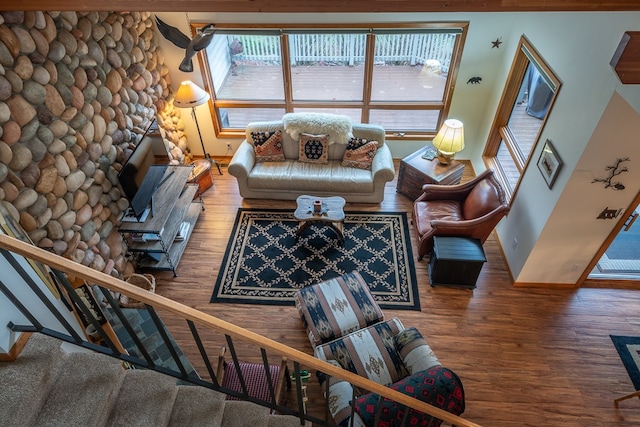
77,89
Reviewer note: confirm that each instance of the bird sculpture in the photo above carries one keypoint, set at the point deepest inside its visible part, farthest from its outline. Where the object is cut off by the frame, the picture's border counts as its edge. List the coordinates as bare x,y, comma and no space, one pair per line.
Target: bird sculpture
191,46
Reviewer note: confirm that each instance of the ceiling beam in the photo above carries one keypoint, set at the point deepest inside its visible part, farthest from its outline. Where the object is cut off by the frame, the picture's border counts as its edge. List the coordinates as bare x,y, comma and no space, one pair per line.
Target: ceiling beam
324,6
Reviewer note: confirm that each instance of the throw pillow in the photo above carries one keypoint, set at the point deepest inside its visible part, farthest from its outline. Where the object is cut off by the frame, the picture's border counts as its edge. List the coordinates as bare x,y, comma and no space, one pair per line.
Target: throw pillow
437,386
359,153
314,148
268,146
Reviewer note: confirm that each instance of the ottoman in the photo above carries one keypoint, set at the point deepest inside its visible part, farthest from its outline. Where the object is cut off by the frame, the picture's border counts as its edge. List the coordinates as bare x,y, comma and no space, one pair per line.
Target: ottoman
336,307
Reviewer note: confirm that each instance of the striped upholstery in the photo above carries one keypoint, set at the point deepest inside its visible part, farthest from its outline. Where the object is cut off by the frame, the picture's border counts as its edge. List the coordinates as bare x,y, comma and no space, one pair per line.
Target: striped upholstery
357,353
414,351
369,352
336,307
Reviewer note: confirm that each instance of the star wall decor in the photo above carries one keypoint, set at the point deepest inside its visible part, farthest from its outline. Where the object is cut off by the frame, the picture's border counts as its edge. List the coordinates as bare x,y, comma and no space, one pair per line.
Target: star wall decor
496,43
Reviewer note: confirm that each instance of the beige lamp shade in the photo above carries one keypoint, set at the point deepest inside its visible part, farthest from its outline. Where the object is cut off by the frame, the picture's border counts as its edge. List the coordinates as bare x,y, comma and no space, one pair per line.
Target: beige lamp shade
449,140
189,95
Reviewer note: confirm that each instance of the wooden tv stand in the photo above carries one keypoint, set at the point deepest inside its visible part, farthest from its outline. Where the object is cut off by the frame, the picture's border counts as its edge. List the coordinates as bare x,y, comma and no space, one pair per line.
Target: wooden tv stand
153,242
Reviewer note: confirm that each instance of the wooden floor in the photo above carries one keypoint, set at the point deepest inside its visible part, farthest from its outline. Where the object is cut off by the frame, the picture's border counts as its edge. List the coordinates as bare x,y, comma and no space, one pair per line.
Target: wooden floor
526,357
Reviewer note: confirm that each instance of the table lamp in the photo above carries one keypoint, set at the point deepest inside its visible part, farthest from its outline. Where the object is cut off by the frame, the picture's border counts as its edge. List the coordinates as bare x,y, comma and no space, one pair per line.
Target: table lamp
189,95
449,140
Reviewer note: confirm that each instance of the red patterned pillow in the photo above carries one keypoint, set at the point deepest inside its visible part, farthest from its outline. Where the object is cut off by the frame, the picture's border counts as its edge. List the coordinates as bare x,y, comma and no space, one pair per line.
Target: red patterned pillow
360,153
268,146
314,148
437,386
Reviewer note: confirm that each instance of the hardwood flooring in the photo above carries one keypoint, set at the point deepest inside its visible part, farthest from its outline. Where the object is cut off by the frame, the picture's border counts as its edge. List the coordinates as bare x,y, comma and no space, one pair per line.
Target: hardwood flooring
526,357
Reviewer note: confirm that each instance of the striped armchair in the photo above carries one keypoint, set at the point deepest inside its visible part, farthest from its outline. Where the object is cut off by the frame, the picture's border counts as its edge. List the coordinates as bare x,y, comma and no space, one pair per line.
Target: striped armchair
346,327
385,353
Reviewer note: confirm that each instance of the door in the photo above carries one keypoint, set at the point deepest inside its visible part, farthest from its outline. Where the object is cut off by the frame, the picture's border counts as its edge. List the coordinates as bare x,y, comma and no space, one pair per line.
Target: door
620,257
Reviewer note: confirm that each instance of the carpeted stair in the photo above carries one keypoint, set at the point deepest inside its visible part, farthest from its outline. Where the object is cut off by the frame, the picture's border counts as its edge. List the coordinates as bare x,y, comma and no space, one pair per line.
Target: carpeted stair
47,386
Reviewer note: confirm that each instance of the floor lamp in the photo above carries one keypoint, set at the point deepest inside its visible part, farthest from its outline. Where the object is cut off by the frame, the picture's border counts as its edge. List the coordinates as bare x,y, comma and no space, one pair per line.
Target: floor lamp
189,95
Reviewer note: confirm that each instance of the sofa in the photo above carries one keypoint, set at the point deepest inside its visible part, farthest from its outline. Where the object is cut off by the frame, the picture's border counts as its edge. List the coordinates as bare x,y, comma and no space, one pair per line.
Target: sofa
325,172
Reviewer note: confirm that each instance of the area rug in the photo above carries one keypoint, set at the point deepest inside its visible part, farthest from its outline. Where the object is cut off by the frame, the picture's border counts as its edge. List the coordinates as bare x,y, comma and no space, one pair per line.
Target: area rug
265,263
629,351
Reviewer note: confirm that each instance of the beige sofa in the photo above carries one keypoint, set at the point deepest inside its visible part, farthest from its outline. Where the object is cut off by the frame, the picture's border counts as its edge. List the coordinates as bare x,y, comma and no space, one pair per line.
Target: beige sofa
288,179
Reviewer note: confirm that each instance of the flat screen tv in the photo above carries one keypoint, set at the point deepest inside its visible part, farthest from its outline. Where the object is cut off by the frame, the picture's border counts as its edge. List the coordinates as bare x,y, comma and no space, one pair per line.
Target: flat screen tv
143,197
140,196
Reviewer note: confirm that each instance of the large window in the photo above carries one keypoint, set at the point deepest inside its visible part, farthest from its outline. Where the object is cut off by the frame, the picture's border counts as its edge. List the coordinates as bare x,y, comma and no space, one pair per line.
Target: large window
400,78
527,99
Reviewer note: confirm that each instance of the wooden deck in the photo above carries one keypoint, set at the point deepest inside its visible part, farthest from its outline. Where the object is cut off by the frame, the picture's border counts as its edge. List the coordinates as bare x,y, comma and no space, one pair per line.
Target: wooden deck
335,84
526,357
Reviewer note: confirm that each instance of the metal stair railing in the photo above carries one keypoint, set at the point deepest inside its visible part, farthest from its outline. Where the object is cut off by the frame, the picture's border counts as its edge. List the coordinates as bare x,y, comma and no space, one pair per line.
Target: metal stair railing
196,322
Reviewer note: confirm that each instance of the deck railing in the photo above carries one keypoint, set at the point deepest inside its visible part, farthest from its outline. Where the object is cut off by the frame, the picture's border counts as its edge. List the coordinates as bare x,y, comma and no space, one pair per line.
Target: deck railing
198,323
346,49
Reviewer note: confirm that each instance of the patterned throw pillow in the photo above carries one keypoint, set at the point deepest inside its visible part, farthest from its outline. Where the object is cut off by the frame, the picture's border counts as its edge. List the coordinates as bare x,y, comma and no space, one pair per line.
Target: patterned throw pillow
437,386
314,148
359,153
268,146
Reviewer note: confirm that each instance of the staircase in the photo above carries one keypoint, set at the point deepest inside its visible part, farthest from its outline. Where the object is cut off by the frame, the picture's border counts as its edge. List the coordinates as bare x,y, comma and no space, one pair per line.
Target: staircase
47,386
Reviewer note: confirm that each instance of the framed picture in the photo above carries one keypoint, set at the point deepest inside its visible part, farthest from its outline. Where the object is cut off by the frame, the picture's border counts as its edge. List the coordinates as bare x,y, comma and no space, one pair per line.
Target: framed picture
549,163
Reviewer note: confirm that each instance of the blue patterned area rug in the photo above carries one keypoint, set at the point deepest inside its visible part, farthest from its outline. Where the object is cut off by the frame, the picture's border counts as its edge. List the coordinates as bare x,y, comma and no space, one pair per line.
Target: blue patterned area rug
629,351
265,263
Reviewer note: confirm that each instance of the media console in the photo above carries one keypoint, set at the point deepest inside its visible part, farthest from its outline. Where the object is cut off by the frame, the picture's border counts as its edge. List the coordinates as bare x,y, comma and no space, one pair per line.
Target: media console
155,242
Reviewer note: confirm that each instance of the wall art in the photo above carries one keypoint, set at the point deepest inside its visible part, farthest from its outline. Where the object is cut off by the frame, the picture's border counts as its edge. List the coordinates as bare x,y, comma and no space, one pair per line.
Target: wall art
549,163
614,171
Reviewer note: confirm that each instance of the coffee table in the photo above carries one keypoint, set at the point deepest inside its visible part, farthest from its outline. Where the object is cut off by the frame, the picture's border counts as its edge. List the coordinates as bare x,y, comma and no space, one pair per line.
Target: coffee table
330,215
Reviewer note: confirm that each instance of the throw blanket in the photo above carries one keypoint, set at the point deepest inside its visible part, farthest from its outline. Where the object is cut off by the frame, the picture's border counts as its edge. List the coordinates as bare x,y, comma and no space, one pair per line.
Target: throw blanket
337,127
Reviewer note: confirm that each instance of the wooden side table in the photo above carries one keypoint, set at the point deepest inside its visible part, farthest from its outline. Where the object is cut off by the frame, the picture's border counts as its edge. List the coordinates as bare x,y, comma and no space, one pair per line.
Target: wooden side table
415,171
201,175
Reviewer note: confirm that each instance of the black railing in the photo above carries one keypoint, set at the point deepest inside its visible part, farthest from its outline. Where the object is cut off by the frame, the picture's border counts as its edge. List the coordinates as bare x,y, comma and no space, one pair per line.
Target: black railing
103,339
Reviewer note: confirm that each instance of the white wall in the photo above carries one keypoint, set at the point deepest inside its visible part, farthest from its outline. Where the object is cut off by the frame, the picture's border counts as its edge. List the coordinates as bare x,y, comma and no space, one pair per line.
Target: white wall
574,231
578,47
9,313
580,57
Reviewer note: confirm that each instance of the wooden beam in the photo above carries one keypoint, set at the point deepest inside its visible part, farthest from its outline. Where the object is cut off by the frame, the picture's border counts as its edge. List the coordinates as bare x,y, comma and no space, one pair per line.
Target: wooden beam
327,6
626,59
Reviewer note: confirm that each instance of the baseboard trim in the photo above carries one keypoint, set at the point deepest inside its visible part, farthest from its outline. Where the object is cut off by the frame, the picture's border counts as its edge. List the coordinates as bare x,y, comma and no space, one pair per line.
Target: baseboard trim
16,349
545,285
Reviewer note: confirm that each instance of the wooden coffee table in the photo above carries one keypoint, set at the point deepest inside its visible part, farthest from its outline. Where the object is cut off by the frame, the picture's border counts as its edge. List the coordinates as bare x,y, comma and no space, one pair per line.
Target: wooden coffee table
330,215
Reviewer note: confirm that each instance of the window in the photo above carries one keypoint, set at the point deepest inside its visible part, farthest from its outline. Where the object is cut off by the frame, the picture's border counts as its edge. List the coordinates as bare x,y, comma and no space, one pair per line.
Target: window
527,99
400,78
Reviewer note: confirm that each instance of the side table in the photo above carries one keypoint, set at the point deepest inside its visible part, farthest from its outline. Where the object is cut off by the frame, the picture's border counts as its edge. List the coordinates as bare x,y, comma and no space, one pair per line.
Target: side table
456,261
201,175
416,171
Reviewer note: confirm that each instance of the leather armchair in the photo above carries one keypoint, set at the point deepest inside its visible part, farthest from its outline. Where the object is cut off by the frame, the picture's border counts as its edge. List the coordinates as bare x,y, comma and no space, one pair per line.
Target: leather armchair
471,209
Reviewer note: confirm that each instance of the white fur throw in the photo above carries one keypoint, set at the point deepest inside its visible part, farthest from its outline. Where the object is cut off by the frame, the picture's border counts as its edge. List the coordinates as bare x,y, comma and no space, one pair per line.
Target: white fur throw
337,127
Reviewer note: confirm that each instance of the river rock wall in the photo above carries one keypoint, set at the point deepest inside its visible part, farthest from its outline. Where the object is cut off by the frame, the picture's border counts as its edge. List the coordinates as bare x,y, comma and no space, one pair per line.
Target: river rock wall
77,89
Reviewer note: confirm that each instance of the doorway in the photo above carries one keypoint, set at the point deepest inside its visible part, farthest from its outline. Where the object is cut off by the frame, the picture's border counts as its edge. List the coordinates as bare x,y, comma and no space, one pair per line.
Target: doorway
621,259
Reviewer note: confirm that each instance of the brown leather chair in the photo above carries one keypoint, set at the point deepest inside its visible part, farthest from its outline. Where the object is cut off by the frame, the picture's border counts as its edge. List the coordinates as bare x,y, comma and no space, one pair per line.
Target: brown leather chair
471,209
